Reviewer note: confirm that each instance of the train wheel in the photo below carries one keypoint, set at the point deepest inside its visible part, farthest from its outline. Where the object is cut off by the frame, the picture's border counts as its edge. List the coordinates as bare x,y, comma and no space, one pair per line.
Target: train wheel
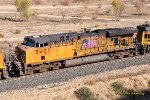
121,56
43,68
14,70
111,56
57,65
29,71
131,53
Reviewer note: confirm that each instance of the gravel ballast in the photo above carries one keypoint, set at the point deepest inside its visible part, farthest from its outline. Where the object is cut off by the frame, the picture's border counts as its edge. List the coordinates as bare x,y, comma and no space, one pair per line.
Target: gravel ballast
63,75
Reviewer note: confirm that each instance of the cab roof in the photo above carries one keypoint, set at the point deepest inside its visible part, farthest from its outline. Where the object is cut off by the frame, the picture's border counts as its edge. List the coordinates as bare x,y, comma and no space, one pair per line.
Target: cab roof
144,27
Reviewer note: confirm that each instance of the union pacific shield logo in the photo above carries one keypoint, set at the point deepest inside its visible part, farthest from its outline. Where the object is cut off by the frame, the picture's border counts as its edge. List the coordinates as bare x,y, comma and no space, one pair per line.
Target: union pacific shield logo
88,43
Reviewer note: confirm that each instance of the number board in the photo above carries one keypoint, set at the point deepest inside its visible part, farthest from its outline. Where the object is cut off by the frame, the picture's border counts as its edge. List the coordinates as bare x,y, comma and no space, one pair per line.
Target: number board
41,51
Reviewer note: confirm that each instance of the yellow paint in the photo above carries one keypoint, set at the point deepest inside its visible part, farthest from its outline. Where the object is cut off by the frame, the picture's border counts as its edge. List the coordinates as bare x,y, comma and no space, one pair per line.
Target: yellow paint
60,51
146,40
1,60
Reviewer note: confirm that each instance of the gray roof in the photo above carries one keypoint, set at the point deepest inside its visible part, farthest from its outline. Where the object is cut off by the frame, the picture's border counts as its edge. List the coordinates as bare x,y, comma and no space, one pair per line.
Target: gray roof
106,32
144,27
118,31
43,39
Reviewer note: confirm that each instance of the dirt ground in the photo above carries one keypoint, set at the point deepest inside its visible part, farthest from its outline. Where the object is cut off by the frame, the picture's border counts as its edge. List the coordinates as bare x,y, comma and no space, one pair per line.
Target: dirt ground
59,19
135,77
49,19
52,19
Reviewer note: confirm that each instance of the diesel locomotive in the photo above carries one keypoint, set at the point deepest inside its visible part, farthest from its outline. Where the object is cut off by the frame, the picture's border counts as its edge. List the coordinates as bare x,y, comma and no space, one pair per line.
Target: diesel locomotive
54,51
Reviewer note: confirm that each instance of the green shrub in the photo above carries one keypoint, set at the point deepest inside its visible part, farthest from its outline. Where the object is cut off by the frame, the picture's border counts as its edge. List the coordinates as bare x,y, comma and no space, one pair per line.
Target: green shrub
1,35
23,7
118,7
17,31
85,93
118,88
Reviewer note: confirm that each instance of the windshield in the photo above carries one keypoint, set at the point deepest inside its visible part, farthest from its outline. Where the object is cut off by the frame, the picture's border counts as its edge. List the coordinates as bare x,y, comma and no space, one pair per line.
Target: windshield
30,43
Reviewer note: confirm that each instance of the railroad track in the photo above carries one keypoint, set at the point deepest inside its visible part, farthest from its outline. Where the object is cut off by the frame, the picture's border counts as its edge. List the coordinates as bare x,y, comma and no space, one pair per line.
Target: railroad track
62,75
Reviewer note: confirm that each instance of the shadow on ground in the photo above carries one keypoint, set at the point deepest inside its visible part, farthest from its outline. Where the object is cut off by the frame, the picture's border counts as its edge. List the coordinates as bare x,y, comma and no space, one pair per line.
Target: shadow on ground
140,95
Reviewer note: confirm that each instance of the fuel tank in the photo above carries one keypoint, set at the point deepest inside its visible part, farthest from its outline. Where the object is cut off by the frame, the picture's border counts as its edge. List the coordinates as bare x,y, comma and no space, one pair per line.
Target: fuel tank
86,60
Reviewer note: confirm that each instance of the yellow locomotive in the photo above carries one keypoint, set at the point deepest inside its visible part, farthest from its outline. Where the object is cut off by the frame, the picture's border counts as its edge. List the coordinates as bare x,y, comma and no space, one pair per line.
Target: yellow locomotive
61,50
51,52
144,36
1,64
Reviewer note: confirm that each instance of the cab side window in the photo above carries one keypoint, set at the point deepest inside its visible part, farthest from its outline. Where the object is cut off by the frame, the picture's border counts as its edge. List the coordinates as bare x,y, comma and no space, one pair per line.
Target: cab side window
41,45
30,43
145,36
45,44
37,44
67,38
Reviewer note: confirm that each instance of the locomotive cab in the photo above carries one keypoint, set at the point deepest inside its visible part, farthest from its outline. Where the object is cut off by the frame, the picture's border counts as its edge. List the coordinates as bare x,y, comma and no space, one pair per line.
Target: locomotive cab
144,36
144,33
32,50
